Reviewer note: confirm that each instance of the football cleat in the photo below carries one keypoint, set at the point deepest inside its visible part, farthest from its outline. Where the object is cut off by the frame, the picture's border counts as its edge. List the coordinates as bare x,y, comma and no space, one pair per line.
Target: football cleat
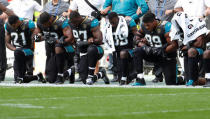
59,80
122,82
139,82
157,79
70,77
89,81
19,80
41,77
190,83
207,83
105,77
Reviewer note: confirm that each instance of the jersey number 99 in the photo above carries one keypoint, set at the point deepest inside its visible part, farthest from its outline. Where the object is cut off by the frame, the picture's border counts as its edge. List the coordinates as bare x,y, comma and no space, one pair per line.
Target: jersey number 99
154,41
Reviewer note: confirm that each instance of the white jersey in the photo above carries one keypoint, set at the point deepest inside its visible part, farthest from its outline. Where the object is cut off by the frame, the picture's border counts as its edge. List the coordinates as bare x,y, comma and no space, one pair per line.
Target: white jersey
83,8
24,8
194,8
189,27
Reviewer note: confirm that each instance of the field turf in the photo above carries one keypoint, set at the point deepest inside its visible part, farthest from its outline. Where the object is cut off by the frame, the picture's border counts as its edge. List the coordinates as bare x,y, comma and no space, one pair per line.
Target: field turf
104,103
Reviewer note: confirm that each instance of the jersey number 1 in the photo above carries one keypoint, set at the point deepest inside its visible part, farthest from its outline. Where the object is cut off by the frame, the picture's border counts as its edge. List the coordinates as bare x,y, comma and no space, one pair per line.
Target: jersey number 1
17,40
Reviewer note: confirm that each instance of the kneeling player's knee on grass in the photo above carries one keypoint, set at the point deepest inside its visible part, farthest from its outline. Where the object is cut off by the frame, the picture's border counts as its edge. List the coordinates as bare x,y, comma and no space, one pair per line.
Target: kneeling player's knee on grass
206,54
123,54
192,52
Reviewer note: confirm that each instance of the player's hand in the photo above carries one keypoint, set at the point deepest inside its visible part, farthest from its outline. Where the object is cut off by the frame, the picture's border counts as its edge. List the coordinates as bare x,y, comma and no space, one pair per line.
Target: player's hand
65,14
207,12
144,40
128,18
51,40
138,11
104,12
141,44
90,40
37,37
27,52
167,12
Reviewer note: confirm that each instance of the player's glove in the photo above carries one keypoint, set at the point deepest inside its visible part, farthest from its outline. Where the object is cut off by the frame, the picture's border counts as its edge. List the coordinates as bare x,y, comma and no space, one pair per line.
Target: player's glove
37,38
27,52
148,50
62,40
51,40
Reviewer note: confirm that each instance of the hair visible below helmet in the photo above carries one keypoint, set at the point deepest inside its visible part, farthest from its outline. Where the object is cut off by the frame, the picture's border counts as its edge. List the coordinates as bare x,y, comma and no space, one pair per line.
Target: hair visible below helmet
74,14
13,19
112,15
148,17
44,17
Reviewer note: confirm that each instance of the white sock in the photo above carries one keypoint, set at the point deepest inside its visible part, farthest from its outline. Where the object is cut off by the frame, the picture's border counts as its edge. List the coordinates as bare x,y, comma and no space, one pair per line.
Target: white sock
207,75
124,78
69,71
141,75
20,78
59,74
100,74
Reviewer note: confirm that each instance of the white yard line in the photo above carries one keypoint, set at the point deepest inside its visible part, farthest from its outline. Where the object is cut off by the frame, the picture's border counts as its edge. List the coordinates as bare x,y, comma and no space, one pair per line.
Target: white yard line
112,114
21,105
135,113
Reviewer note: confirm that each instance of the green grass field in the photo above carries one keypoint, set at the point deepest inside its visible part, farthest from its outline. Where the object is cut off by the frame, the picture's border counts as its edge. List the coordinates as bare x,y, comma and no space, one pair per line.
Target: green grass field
104,103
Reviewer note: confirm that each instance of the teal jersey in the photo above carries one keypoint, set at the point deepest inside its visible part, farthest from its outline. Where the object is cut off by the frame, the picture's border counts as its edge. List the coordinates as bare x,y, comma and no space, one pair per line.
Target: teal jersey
21,37
127,7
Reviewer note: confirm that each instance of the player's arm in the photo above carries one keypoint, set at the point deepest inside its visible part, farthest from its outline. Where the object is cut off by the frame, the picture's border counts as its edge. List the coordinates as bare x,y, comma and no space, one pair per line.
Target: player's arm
69,35
32,28
139,39
97,34
207,37
172,46
106,10
6,10
8,42
138,36
199,42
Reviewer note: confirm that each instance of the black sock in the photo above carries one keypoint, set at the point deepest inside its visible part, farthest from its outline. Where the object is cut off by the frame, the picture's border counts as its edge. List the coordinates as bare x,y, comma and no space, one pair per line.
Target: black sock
124,67
60,62
206,65
193,68
91,70
138,60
